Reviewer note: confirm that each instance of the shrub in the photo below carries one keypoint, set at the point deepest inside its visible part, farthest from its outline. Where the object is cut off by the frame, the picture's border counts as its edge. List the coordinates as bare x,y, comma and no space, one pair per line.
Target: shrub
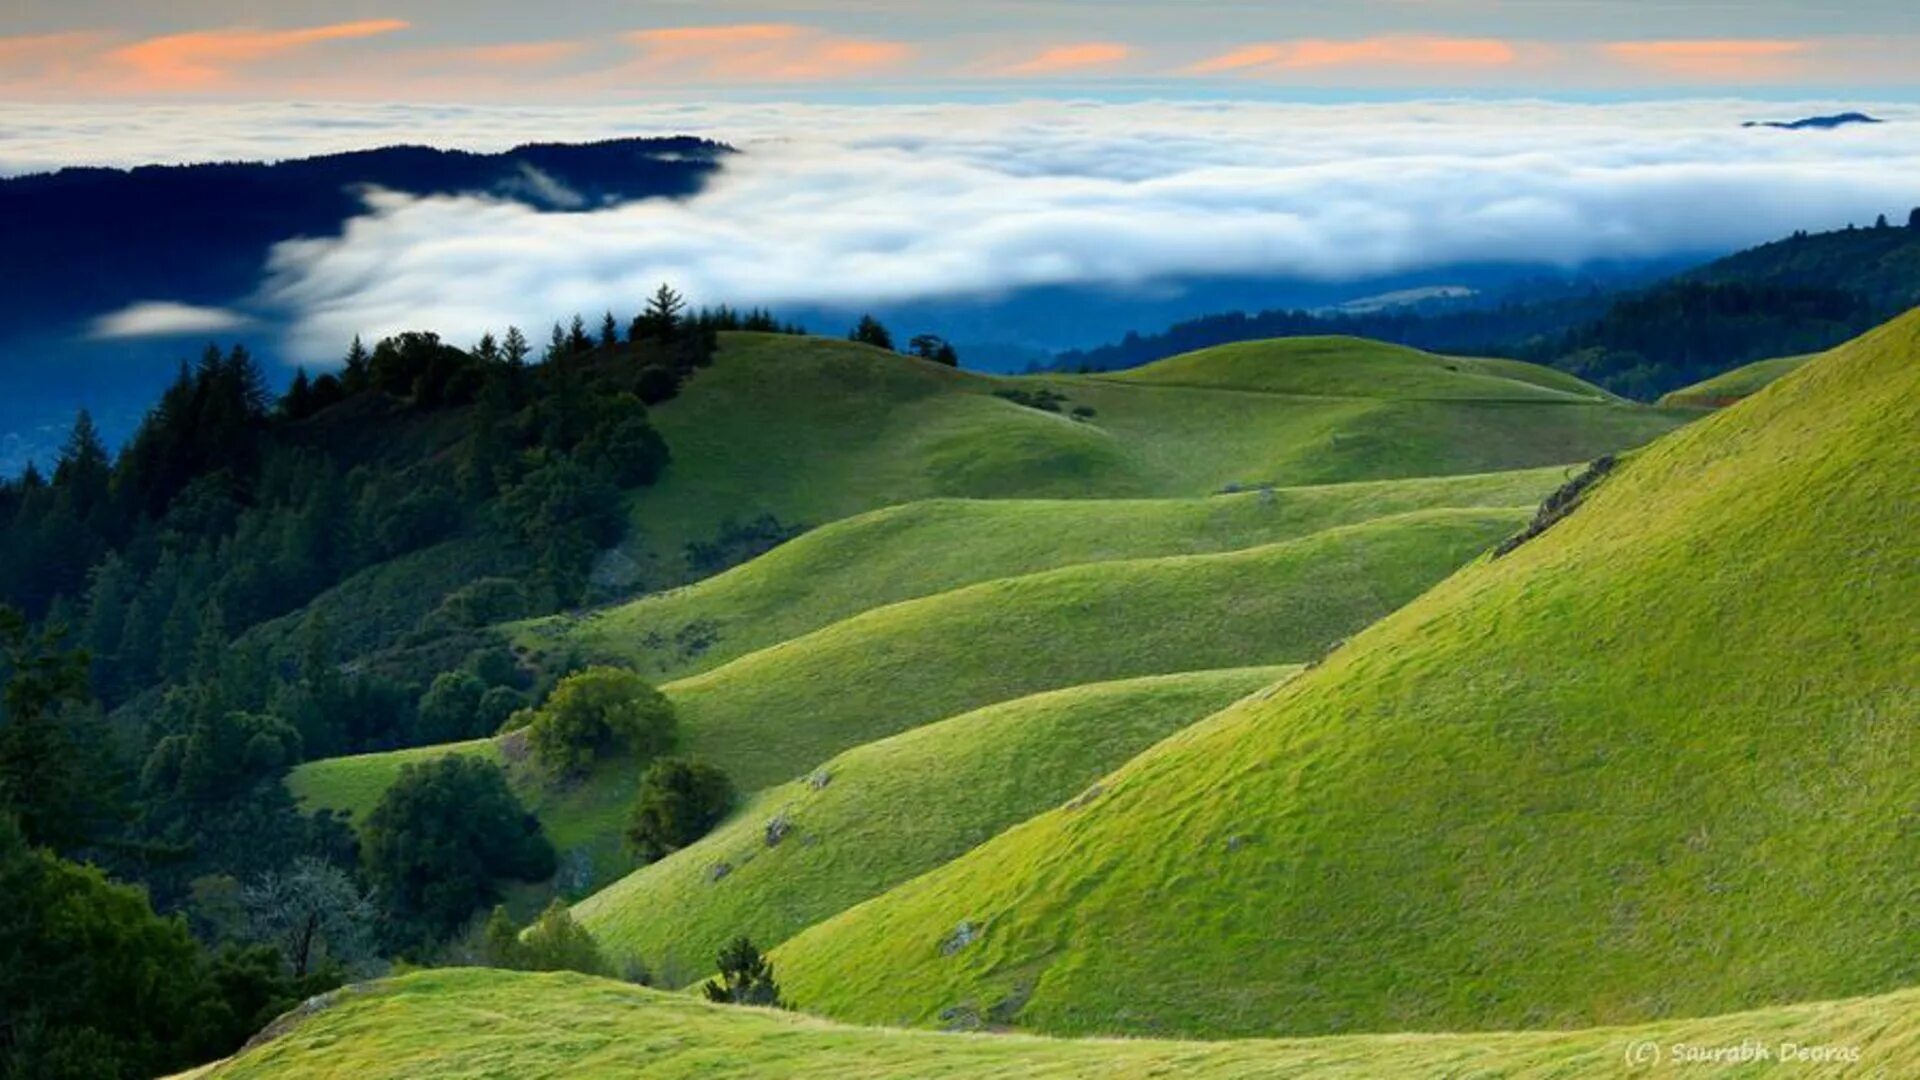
679,802
595,714
440,841
746,978
555,942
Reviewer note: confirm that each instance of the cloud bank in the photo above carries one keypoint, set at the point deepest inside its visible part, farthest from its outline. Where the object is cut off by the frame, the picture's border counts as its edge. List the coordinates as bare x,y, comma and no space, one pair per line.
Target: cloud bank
853,206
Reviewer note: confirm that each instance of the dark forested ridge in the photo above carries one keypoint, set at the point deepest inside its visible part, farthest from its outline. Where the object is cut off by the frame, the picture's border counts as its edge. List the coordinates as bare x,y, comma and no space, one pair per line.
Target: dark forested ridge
1802,294
85,241
149,717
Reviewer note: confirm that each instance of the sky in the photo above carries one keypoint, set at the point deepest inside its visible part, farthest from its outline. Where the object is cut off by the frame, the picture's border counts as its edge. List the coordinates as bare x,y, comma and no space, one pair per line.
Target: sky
601,50
918,150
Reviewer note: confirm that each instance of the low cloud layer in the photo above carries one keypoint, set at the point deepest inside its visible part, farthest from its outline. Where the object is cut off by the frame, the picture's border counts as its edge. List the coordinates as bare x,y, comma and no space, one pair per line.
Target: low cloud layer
852,206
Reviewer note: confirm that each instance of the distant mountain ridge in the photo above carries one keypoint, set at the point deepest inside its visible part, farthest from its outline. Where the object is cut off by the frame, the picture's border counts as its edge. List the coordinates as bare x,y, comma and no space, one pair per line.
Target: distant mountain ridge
1817,123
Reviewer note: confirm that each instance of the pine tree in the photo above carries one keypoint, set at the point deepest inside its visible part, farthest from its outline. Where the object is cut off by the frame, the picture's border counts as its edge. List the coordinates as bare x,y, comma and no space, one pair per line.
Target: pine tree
578,342
357,375
487,350
870,332
609,332
515,348
746,978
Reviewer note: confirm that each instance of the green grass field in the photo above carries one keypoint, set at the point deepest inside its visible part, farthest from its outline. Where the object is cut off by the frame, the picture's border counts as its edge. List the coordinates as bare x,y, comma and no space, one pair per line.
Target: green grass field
888,811
474,1022
919,549
1725,389
1661,761
814,431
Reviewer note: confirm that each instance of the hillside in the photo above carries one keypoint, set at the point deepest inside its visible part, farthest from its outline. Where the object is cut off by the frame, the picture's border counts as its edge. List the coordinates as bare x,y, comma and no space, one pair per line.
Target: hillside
922,548
888,811
1736,385
1658,761
464,1022
771,715
810,431
1354,367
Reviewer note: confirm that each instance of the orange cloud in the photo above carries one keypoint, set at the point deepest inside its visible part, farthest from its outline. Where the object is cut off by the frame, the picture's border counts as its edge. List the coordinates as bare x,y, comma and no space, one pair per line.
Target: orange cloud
206,58
1311,53
1707,59
1064,58
762,52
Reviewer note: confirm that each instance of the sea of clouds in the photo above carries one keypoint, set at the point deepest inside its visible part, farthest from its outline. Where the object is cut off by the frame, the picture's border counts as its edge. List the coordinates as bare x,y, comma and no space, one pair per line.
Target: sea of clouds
849,204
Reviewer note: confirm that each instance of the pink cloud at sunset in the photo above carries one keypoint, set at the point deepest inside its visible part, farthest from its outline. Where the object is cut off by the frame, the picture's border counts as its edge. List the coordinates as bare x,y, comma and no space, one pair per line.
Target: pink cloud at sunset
762,52
205,58
1408,51
1713,61
1063,59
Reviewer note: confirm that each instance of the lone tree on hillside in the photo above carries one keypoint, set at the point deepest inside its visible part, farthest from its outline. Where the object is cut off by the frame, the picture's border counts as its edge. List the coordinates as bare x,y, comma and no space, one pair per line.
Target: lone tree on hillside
870,332
679,802
935,348
598,713
746,978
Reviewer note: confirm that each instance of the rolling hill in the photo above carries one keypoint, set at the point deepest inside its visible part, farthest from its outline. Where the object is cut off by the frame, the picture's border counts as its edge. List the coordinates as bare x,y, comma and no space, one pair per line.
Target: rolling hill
1740,383
773,714
463,1022
885,812
922,548
811,431
1658,761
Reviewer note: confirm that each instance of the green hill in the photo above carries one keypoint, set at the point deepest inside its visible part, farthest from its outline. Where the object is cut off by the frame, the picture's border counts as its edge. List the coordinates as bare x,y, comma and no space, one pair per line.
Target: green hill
919,549
462,1022
1659,761
770,715
773,714
811,431
1355,367
1725,389
887,811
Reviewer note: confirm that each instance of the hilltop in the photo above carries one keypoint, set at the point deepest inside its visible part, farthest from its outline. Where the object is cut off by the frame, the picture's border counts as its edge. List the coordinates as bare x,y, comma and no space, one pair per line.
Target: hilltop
458,1022
1588,782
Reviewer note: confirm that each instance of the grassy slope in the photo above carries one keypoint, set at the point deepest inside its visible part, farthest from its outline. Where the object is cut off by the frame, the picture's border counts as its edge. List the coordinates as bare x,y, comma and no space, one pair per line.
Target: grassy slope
474,1022
889,811
772,715
905,552
1660,761
813,431
1355,367
1728,387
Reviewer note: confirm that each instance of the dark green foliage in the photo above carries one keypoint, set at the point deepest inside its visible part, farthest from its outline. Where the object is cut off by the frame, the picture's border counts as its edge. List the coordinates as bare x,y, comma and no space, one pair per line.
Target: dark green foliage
678,803
450,709
868,331
739,542
596,714
50,763
934,348
554,942
441,840
746,978
96,986
1044,399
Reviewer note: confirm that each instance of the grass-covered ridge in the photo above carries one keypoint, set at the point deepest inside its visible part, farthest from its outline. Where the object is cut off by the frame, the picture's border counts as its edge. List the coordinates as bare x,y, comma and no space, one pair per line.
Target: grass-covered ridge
1724,389
774,714
812,431
1658,761
468,1022
887,811
919,549
1355,367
